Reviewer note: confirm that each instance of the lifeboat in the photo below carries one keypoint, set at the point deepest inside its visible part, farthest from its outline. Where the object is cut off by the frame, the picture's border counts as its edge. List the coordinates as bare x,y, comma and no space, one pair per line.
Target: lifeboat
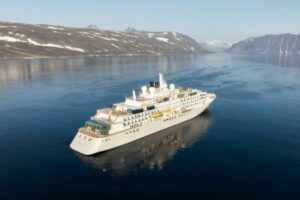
169,112
155,115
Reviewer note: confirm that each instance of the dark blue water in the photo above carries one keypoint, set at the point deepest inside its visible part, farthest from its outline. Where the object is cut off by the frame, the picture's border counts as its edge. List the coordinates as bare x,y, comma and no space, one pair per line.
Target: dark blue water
247,146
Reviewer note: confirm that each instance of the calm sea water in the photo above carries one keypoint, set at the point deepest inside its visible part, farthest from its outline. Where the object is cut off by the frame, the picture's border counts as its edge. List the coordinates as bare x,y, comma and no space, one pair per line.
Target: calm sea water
247,146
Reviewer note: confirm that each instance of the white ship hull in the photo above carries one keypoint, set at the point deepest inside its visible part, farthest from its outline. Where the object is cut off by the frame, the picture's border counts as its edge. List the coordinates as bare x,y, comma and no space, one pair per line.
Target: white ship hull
88,145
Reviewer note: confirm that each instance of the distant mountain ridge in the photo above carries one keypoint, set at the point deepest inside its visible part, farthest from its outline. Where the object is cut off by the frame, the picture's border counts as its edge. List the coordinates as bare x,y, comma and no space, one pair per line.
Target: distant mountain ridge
217,46
268,45
29,40
92,26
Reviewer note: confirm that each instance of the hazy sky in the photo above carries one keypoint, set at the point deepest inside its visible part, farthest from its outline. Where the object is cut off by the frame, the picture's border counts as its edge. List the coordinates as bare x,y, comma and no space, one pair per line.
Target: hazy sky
226,20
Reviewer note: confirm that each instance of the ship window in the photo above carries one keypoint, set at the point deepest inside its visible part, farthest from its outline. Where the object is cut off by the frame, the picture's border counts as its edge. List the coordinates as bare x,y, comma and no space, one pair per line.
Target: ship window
180,95
97,127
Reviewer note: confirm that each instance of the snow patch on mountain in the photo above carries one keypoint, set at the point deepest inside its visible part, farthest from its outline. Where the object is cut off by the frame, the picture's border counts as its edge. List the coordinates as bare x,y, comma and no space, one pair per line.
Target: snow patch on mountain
32,42
55,28
9,39
162,39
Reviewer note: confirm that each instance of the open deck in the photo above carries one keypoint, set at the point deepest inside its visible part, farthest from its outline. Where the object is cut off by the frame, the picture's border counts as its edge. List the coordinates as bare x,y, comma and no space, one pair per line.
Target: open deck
111,111
89,133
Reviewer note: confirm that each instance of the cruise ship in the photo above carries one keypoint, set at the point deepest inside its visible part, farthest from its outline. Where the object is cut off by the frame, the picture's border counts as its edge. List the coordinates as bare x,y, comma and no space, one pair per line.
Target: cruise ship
158,106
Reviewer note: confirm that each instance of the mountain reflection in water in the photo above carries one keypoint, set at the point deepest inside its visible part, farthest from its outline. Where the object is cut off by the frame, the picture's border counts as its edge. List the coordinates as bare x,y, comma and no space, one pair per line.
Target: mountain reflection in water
284,60
153,151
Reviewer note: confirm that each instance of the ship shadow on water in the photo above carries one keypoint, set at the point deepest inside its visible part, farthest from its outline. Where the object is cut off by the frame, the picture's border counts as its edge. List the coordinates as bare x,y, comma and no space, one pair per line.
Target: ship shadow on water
153,151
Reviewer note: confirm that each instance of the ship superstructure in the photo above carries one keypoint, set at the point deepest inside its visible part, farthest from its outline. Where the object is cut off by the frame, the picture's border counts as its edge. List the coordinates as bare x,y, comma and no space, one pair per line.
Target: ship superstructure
158,106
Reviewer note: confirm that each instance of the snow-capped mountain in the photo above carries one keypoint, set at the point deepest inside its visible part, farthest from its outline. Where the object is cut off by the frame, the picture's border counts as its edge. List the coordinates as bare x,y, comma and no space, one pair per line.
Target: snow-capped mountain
28,40
92,26
215,45
268,45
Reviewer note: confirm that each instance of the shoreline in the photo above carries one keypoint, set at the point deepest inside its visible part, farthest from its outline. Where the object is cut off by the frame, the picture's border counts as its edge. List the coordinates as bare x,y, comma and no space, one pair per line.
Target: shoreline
104,55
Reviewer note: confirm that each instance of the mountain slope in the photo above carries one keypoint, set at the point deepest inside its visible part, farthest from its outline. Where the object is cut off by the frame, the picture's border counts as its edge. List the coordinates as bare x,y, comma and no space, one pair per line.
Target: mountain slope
26,40
268,45
215,46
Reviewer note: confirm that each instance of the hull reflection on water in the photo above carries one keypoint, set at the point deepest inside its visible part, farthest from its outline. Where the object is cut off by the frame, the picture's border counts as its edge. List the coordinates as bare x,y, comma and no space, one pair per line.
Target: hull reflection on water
152,151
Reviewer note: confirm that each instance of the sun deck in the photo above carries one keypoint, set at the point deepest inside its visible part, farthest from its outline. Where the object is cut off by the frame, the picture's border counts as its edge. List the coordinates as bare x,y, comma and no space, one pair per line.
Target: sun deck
111,111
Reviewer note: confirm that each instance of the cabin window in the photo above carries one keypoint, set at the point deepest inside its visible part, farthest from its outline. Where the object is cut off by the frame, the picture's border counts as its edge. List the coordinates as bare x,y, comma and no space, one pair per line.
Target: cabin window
180,95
